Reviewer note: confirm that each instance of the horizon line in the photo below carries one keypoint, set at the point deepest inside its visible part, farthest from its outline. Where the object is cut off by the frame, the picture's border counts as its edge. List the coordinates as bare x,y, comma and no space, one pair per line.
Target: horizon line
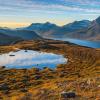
14,25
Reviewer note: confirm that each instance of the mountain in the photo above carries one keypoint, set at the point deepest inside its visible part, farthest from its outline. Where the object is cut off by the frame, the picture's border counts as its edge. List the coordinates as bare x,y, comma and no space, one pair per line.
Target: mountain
51,30
92,32
66,30
85,29
24,34
43,29
6,40
9,36
77,25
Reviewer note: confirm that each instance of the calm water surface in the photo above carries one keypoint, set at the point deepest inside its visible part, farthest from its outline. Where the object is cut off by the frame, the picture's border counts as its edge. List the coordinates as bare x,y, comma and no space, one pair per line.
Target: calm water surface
92,44
29,59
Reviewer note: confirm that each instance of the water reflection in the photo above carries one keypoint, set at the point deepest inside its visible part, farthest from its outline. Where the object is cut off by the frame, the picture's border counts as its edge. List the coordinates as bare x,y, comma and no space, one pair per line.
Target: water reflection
23,59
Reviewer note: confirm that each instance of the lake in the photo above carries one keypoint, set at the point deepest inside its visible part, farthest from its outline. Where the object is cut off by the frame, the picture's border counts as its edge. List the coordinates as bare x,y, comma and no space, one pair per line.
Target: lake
29,59
92,44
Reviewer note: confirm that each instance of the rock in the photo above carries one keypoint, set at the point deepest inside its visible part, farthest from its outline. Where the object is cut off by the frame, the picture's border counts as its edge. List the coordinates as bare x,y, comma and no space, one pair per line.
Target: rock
6,92
4,86
2,67
68,95
23,90
36,77
27,96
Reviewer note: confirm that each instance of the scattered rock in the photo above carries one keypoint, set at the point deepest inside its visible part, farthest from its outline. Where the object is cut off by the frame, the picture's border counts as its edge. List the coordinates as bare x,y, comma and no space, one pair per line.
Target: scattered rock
37,77
23,90
4,86
68,95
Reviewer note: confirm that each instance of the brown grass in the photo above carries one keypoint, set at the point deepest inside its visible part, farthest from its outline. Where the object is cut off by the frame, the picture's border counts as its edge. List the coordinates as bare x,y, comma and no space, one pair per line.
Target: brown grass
81,74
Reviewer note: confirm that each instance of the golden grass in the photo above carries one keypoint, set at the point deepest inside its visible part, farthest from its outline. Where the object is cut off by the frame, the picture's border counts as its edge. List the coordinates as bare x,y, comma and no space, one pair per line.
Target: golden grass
81,74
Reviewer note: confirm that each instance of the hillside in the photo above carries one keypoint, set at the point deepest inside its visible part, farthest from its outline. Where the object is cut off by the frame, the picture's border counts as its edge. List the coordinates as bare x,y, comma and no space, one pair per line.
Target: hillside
24,34
92,32
7,40
66,30
81,74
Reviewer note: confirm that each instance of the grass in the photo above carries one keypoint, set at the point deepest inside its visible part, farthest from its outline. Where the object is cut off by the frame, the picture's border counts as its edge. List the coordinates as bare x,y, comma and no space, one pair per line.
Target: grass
80,75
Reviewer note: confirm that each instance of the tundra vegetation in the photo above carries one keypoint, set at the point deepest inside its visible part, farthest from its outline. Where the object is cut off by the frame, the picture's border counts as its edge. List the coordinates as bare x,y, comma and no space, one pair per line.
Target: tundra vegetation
79,79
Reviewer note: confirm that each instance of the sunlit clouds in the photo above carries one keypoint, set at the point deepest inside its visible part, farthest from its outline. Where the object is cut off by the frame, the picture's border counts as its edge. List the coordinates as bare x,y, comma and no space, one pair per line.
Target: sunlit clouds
30,58
28,11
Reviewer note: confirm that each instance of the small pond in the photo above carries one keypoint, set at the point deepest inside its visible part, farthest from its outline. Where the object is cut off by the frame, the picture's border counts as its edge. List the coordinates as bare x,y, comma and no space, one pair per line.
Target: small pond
30,58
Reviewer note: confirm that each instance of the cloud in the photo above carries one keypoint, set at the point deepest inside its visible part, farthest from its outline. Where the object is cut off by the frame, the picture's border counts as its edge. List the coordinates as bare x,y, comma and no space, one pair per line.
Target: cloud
48,10
83,2
30,58
77,9
39,6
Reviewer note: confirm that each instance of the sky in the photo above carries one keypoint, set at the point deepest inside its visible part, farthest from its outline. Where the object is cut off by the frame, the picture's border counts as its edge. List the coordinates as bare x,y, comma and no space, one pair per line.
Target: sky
19,13
32,58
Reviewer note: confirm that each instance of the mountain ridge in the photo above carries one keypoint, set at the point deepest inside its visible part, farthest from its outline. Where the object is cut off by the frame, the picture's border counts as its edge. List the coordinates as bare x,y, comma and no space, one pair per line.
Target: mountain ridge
24,34
8,40
52,30
92,31
84,29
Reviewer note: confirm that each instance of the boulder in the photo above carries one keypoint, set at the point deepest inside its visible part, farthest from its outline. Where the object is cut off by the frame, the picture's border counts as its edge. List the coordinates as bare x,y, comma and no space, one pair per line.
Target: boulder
68,95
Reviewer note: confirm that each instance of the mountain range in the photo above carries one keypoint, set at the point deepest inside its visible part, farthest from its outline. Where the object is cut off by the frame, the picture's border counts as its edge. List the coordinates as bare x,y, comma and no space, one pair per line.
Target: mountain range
84,29
48,30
